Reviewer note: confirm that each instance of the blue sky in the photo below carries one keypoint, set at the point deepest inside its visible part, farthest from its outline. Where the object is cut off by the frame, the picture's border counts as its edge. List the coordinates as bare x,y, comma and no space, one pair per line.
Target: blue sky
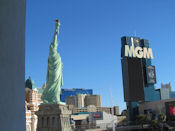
90,41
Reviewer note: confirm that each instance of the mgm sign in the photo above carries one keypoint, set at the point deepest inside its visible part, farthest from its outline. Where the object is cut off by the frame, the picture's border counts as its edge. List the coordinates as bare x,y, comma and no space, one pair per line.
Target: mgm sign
138,52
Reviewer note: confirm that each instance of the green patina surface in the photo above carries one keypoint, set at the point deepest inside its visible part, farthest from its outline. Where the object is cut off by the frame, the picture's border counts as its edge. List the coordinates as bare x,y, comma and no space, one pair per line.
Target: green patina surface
40,90
51,94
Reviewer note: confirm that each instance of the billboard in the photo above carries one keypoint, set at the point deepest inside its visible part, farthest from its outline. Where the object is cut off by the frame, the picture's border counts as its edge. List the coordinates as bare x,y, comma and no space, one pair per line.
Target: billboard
151,74
170,110
97,115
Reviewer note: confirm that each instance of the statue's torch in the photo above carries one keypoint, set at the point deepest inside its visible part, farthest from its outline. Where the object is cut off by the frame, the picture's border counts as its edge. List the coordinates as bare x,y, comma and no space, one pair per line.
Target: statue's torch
57,26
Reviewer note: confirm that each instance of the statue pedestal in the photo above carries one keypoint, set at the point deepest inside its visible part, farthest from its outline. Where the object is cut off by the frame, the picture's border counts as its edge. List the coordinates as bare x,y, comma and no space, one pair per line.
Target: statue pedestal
53,117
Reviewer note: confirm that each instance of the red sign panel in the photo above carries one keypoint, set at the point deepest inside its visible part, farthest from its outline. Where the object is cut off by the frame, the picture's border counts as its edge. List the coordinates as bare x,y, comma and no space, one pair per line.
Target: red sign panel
172,111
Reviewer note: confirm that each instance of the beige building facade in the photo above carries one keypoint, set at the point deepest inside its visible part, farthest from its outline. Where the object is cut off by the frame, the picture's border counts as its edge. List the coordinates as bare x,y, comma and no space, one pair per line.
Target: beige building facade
93,100
87,103
92,108
77,101
84,100
33,100
157,106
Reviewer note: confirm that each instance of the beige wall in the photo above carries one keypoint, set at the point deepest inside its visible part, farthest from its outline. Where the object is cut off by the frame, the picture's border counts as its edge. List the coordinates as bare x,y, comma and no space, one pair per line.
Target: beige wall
77,101
157,106
93,100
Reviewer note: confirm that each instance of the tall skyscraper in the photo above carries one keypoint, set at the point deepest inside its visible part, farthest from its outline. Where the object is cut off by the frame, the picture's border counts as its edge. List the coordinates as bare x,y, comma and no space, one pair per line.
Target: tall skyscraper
138,73
138,69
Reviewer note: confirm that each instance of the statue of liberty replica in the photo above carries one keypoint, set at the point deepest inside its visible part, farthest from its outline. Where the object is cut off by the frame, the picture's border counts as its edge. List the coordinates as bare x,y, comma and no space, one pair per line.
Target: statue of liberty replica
51,94
53,114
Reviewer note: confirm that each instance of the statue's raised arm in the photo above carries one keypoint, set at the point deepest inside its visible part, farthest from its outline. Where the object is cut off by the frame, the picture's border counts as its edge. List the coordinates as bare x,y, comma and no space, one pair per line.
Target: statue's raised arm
54,44
57,25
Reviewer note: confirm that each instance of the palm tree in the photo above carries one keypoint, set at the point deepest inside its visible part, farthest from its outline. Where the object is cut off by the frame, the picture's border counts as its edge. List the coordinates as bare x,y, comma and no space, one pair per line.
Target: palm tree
161,119
141,119
155,125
